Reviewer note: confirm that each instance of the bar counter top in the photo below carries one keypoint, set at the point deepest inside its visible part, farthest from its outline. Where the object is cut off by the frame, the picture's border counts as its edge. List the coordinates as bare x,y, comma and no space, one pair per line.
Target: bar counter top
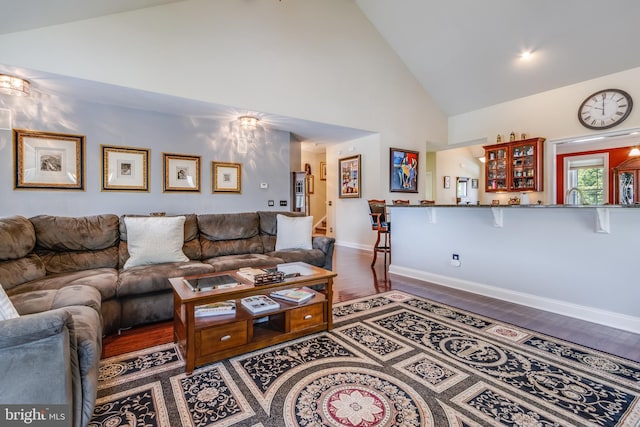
536,206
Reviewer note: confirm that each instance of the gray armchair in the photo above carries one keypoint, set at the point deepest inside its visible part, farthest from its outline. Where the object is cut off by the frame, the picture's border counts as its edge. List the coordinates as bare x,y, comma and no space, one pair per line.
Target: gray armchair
51,358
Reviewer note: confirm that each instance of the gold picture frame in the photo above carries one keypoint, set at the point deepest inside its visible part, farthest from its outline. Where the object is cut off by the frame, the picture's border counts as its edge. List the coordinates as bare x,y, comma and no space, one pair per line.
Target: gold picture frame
125,168
323,171
181,172
226,177
349,175
48,160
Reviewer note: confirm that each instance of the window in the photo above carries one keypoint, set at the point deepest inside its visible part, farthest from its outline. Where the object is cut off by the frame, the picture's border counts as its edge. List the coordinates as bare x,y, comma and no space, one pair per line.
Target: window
586,179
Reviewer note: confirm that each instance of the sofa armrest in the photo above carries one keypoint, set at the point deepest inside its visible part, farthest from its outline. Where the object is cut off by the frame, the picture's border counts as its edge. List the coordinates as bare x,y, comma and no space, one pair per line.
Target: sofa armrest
39,349
31,328
325,244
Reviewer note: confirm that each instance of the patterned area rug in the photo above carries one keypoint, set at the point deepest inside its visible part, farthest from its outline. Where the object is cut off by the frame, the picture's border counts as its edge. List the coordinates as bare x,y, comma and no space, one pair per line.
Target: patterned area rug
393,359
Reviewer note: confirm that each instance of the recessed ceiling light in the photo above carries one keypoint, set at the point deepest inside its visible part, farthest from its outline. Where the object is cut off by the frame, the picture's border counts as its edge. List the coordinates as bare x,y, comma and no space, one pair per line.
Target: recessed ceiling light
526,55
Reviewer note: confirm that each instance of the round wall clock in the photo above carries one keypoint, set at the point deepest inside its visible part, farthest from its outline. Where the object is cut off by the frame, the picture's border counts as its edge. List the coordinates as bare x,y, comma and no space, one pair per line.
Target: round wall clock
605,109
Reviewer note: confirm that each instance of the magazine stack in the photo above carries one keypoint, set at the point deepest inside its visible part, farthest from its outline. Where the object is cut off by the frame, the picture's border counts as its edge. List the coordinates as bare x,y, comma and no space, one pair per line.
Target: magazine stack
259,303
298,295
215,309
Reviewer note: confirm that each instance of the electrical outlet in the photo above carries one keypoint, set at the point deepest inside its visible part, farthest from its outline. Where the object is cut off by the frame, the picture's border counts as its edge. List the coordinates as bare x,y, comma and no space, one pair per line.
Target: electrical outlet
455,260
283,203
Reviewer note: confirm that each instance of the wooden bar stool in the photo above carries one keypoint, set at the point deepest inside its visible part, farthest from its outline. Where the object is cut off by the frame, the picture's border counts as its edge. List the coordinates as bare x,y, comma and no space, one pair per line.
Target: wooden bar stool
378,217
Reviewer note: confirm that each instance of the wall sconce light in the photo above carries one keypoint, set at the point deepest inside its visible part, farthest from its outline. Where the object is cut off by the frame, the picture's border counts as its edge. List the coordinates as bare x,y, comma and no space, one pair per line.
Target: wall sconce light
12,85
635,152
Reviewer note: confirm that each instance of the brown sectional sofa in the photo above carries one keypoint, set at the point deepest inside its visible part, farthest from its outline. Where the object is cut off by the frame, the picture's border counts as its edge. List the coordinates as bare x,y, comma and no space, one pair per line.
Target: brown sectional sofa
65,277
49,253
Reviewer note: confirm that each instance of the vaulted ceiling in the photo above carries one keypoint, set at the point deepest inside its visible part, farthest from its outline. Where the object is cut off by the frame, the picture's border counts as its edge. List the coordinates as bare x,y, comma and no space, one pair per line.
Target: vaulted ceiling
465,53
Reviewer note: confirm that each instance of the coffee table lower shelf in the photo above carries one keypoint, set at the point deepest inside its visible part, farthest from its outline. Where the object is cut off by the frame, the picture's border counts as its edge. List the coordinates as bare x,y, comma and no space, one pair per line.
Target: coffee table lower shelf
217,339
204,340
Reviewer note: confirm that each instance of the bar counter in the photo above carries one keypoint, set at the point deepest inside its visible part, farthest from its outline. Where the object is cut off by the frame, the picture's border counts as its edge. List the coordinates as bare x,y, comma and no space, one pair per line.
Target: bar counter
577,260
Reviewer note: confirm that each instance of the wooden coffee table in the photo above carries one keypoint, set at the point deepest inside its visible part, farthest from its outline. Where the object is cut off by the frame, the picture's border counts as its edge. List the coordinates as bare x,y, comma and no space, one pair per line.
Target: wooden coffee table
204,340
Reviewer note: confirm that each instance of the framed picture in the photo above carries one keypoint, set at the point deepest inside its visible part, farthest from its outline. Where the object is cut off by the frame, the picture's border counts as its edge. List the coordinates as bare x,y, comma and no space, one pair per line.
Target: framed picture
403,171
226,177
48,161
349,173
323,171
125,168
447,182
474,183
310,186
181,172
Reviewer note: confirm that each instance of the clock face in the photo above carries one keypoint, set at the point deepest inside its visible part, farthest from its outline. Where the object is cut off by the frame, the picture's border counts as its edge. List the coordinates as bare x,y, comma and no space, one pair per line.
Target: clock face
605,109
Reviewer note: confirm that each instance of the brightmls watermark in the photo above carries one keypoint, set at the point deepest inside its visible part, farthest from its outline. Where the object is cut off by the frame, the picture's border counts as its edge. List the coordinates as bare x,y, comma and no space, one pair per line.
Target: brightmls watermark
35,415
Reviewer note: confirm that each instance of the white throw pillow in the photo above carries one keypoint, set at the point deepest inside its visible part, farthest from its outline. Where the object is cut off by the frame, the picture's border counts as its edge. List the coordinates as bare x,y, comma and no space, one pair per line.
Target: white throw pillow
293,232
154,240
7,310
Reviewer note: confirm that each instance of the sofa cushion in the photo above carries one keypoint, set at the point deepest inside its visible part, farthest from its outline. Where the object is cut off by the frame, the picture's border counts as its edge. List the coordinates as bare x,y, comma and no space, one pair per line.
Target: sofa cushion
191,247
233,262
229,234
7,310
68,244
269,227
314,256
294,233
64,262
17,237
103,279
154,278
154,240
50,299
17,271
87,233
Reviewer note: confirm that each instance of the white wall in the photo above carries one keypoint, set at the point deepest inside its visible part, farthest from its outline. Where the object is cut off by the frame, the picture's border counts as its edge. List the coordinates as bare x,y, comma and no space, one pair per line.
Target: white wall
349,217
550,258
319,60
552,114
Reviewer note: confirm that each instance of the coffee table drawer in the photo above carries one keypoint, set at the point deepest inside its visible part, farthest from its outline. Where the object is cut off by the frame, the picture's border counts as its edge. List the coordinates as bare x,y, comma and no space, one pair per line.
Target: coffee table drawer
222,337
306,317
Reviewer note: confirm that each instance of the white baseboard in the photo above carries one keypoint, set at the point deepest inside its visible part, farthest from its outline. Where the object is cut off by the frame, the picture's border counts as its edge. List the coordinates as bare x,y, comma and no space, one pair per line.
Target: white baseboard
589,314
354,245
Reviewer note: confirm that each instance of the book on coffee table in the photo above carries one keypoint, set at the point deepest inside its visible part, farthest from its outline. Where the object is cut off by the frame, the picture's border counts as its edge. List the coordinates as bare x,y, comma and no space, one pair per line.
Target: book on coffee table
298,295
259,303
216,309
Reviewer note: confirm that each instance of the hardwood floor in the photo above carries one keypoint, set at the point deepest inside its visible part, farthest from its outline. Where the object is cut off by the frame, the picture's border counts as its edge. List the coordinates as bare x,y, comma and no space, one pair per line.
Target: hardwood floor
357,279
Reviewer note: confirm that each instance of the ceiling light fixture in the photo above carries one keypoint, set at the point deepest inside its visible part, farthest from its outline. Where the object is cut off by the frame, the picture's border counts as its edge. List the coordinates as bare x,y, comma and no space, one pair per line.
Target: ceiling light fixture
635,152
526,55
245,131
249,122
12,85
